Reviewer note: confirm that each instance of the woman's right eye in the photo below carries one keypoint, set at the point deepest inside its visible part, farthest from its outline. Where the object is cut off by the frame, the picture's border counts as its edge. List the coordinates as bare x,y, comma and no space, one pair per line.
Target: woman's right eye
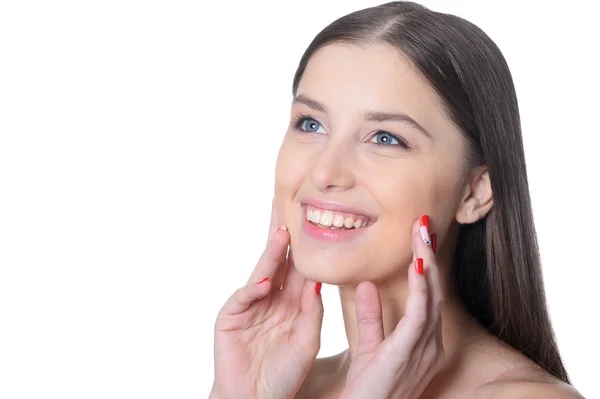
309,125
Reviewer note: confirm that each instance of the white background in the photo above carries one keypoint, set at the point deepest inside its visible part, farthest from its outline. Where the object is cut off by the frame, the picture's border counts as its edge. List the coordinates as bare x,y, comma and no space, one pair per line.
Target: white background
137,149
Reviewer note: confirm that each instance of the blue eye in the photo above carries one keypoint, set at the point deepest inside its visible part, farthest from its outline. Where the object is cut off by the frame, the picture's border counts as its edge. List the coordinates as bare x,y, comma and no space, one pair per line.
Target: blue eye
387,139
309,125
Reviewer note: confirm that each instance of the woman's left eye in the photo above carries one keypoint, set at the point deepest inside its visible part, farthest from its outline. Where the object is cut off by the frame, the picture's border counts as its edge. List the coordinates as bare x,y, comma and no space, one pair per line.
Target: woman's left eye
385,138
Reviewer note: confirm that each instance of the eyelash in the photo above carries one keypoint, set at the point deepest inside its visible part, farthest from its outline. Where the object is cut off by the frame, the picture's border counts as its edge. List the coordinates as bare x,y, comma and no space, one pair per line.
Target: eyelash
299,121
302,118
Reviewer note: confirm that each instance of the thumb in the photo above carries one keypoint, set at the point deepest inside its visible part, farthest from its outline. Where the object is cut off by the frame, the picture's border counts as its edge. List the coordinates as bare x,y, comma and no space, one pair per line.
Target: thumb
310,319
370,326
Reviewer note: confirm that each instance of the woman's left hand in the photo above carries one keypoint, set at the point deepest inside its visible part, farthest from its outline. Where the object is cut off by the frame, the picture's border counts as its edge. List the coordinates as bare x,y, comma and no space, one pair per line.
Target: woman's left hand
402,364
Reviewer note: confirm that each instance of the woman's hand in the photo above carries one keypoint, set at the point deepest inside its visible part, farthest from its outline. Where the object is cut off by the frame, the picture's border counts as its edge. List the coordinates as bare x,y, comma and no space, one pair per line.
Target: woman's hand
266,338
402,364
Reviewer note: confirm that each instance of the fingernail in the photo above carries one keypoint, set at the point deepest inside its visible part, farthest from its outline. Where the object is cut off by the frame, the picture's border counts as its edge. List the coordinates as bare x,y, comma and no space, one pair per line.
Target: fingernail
425,229
263,280
433,242
419,265
280,227
318,288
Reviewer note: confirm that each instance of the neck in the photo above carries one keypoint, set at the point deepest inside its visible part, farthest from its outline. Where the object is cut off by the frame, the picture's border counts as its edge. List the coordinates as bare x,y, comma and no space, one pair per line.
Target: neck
459,328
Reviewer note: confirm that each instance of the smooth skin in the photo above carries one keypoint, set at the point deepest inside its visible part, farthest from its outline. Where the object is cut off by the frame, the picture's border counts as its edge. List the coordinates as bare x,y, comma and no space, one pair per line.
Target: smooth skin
408,334
403,363
266,338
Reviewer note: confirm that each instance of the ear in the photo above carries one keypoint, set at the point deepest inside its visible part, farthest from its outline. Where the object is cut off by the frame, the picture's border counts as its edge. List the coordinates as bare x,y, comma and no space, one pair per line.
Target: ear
478,197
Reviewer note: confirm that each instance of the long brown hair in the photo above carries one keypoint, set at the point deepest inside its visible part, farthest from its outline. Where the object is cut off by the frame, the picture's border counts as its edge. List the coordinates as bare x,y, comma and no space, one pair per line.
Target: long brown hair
496,267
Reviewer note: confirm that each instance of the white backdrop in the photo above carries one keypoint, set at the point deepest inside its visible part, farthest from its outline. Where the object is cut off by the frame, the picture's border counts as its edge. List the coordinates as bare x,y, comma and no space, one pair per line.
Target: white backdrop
137,150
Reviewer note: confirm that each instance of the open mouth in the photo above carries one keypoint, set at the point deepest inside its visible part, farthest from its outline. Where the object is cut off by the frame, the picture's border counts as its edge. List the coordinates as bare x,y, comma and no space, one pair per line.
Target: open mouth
334,220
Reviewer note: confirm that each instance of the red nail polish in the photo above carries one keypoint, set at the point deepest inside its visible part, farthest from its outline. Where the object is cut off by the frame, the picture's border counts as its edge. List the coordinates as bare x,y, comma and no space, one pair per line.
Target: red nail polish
433,242
318,288
425,221
419,265
263,280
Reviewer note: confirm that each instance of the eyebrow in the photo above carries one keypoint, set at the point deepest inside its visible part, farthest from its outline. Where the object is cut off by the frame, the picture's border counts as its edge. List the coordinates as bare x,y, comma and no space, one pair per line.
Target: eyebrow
309,102
370,115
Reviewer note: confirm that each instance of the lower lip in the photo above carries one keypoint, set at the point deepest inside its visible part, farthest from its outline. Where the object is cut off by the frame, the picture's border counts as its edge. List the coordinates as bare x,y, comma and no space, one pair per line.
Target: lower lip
325,234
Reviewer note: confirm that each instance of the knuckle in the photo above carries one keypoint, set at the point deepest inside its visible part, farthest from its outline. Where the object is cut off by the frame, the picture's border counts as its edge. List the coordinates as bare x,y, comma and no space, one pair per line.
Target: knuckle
368,321
421,289
242,294
239,293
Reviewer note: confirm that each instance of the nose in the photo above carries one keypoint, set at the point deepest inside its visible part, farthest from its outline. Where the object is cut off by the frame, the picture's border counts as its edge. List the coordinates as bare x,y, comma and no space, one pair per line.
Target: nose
332,169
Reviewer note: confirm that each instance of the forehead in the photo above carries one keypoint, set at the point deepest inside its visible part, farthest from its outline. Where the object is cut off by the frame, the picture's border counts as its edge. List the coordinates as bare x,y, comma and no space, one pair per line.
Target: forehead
347,78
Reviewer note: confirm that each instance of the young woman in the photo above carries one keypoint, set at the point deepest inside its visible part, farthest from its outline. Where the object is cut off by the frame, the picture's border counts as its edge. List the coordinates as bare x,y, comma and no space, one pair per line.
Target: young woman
401,180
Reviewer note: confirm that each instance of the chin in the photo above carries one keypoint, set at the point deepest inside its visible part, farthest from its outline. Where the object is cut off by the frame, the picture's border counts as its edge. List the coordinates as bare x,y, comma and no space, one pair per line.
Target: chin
330,267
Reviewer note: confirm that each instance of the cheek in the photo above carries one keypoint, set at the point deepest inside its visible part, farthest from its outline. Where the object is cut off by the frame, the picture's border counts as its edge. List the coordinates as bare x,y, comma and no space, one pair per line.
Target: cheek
417,187
403,198
290,173
446,192
402,192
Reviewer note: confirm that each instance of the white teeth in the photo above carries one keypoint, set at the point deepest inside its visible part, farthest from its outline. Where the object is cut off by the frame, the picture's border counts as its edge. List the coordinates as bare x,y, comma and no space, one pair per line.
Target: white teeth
348,223
334,221
316,216
326,218
338,221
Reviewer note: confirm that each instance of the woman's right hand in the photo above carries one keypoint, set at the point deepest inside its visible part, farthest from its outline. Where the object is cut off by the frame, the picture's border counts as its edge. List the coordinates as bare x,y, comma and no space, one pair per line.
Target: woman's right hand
267,338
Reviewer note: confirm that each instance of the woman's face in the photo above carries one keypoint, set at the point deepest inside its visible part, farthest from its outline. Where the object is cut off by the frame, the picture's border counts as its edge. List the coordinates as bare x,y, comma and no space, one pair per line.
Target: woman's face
368,145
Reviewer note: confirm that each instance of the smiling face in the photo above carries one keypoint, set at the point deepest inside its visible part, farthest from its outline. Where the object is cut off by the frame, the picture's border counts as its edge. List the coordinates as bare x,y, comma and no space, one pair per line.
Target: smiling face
370,150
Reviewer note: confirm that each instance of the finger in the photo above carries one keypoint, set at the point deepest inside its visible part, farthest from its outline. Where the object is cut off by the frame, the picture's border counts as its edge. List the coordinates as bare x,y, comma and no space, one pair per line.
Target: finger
241,300
370,328
416,314
274,220
431,271
282,271
369,318
273,256
294,282
310,319
422,250
421,238
273,225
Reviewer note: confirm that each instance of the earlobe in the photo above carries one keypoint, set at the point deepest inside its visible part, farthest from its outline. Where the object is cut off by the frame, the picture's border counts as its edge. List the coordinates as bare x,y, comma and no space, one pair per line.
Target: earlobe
478,198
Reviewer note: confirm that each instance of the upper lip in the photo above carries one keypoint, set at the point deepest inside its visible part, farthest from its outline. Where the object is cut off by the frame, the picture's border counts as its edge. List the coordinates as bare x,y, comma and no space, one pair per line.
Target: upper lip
336,206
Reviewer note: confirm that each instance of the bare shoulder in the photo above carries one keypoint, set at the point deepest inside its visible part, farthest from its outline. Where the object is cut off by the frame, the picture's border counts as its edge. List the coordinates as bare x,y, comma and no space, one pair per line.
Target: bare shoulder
522,389
514,376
